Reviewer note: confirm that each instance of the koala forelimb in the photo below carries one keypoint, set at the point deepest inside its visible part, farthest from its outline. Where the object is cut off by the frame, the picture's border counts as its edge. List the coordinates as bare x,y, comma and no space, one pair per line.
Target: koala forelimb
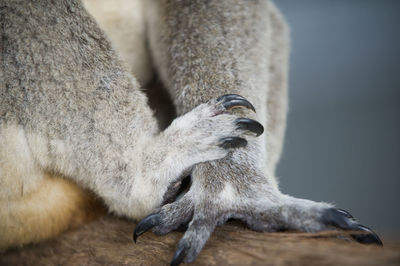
68,106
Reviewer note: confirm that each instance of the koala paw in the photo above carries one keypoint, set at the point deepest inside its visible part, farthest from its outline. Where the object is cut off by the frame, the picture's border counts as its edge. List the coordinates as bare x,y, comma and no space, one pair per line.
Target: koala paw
270,211
209,131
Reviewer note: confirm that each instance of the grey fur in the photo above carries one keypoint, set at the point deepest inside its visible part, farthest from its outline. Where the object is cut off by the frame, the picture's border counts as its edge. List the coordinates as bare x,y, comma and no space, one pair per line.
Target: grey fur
84,116
203,49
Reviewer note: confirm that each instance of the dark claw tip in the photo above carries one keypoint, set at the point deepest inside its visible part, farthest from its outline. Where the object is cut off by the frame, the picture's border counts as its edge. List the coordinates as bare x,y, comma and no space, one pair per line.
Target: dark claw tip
230,101
344,220
146,224
179,256
370,237
232,142
250,125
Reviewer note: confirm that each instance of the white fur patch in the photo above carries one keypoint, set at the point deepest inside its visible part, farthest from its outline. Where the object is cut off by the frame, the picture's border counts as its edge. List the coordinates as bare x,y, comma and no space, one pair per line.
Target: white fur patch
228,194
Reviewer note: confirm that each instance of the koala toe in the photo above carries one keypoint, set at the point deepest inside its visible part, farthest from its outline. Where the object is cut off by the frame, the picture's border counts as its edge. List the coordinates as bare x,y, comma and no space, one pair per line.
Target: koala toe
230,101
170,217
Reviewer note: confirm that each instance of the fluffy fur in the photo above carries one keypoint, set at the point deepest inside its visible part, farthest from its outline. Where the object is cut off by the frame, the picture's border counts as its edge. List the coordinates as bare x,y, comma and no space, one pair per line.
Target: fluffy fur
69,107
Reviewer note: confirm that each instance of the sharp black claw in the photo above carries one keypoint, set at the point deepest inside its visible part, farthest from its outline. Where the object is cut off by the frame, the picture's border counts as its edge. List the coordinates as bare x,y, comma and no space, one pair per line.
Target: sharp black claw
146,224
344,220
230,101
179,256
232,142
249,124
369,238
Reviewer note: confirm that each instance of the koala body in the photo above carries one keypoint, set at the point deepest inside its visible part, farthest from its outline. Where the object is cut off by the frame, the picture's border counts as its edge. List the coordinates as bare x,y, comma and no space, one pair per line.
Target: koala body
73,118
69,107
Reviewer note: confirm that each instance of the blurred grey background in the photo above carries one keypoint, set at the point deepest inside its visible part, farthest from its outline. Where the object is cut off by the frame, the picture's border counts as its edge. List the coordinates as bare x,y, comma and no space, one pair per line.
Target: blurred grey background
343,136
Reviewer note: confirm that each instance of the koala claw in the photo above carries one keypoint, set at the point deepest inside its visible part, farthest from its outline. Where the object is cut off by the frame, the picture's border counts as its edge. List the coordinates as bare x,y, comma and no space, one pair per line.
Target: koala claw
179,256
230,101
369,238
249,124
146,224
344,220
232,142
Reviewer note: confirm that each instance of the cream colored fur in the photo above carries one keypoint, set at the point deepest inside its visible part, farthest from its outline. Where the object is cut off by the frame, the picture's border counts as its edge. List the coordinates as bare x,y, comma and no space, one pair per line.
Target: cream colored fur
123,22
36,205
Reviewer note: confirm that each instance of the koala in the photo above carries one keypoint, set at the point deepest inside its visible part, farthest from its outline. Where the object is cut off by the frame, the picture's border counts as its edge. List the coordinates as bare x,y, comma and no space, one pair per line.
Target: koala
76,125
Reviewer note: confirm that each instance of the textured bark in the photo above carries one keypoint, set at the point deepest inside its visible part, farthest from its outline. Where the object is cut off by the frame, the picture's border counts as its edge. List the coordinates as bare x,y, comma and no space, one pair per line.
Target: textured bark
108,241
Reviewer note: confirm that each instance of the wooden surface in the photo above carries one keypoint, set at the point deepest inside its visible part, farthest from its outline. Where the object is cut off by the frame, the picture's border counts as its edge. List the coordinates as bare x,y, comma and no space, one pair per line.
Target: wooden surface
108,241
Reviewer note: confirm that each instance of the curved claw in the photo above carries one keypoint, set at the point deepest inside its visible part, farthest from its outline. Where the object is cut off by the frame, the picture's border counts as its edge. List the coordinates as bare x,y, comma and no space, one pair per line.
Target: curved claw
370,238
179,256
232,142
146,224
230,101
250,125
344,220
